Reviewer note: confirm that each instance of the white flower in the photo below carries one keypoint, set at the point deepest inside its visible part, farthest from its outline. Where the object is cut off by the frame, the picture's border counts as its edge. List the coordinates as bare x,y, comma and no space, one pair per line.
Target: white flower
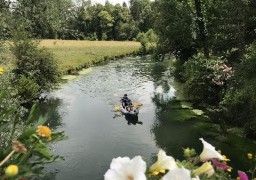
126,169
209,152
195,178
178,174
164,162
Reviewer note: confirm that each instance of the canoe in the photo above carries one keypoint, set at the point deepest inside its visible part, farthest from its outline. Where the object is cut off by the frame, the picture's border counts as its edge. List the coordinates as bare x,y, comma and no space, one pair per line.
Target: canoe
135,111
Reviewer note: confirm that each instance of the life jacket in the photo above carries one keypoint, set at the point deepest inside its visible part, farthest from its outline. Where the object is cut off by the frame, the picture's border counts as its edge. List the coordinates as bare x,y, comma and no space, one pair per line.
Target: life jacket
125,99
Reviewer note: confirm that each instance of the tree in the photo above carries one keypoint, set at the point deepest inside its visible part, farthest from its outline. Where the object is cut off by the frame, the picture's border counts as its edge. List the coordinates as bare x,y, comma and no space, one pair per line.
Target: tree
106,22
42,18
5,18
176,29
202,27
141,12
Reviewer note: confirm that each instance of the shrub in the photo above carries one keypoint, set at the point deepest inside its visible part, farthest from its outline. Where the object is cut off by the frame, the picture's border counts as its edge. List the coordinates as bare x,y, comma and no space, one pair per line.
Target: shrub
35,64
148,41
206,79
27,89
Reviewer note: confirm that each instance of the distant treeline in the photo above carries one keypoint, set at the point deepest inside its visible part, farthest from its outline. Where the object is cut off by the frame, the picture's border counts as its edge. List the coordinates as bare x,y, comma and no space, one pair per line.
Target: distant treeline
64,19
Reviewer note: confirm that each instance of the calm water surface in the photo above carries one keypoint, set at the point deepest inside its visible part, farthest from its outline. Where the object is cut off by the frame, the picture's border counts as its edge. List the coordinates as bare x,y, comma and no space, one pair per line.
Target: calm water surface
83,108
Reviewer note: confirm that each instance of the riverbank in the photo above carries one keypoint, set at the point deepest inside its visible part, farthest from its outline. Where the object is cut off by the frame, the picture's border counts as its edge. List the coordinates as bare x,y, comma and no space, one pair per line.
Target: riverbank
73,55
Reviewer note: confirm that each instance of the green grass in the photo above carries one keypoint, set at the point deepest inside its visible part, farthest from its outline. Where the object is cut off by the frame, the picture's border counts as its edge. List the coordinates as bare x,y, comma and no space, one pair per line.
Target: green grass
73,54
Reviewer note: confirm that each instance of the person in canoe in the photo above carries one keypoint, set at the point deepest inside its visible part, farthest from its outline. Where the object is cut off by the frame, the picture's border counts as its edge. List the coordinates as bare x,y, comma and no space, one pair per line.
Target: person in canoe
129,106
124,100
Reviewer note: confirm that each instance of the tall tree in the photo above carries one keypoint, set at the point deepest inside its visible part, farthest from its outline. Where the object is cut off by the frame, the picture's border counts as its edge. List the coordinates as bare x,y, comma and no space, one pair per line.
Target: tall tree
202,27
106,22
175,28
43,17
5,19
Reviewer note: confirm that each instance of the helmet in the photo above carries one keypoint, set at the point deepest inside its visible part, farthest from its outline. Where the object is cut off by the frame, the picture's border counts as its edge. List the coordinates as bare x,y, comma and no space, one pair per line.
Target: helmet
125,95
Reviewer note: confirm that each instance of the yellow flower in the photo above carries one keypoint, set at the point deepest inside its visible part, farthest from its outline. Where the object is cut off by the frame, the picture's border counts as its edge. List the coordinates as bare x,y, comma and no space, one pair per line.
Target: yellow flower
158,172
44,131
249,155
206,168
11,171
229,169
225,158
1,70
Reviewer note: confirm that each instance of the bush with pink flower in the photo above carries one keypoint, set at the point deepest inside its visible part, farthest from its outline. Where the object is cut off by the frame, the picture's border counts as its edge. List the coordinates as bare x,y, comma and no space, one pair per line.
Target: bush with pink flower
206,79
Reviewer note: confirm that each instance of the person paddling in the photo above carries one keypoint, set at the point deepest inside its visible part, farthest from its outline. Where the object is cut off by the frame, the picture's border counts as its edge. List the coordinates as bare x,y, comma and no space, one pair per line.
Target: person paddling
129,106
124,100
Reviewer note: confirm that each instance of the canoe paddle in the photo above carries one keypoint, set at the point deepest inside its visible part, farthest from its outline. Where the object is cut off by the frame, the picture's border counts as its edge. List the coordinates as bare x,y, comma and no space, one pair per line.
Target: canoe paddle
117,108
135,104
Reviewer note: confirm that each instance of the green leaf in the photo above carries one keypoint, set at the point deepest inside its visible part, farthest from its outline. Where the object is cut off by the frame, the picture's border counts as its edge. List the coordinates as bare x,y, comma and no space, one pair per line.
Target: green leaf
32,115
41,121
3,126
27,133
43,151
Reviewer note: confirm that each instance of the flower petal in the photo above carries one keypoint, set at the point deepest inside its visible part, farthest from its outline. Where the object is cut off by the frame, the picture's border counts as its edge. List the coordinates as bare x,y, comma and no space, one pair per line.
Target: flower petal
243,175
126,168
178,174
209,152
163,162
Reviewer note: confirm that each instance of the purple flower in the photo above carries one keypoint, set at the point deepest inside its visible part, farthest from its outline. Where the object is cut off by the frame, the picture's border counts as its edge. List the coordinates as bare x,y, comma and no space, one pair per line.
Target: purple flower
242,175
219,164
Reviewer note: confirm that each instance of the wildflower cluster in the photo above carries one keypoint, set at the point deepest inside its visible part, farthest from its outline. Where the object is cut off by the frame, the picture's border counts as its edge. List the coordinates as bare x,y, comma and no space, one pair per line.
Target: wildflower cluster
210,164
12,169
31,144
221,73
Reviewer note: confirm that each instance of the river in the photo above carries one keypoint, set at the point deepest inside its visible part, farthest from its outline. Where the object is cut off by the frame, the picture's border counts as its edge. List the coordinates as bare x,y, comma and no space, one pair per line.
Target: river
83,108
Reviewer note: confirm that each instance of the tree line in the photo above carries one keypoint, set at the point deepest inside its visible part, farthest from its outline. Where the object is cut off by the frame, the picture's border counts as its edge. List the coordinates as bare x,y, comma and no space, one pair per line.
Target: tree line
65,19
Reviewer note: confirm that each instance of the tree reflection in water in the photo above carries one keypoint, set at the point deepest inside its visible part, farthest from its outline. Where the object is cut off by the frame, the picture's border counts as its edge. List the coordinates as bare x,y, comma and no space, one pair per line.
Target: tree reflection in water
50,110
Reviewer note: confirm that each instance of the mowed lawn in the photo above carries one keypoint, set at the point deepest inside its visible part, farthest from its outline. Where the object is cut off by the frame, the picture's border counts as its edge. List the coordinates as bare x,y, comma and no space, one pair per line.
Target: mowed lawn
71,54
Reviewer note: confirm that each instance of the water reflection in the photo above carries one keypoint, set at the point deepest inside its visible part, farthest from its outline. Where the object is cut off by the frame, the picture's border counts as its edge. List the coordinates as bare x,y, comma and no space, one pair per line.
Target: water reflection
50,110
131,119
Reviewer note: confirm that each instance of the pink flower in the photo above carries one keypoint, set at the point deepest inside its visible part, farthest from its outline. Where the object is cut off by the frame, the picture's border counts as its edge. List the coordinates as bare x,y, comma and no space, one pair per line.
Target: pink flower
219,165
242,175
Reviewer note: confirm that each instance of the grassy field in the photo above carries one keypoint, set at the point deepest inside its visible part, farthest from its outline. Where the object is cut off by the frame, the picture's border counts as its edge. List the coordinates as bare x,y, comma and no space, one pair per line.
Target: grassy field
72,54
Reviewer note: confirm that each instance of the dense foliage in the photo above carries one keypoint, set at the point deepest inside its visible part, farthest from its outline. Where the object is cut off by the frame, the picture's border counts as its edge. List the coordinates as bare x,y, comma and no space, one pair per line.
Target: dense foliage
224,32
23,143
66,19
34,66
